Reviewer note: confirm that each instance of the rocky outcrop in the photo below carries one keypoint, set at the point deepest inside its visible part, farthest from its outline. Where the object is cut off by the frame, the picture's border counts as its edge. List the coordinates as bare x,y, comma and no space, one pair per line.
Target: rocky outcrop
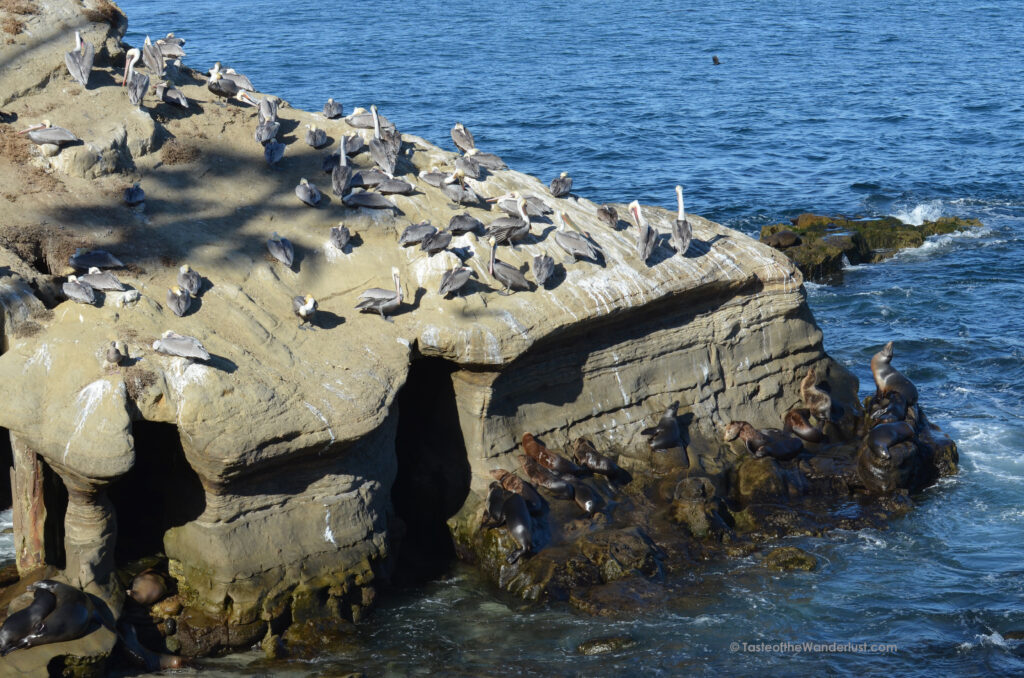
820,246
265,474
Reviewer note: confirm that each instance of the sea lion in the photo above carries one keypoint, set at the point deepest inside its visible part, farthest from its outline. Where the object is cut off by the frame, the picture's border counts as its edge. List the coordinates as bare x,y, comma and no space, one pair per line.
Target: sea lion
69,620
782,239
665,434
513,483
783,448
881,437
751,437
587,498
888,379
546,478
148,587
24,621
895,409
547,458
496,495
517,520
816,400
584,454
795,421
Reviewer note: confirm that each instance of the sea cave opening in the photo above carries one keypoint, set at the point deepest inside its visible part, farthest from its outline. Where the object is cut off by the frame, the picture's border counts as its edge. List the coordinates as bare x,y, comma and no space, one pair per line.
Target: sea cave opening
55,500
433,475
159,492
6,463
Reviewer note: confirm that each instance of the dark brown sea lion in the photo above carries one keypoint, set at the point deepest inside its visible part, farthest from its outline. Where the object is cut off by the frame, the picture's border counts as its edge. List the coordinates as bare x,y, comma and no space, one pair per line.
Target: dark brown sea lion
148,587
547,458
796,421
513,483
496,495
584,454
893,410
587,498
751,437
70,618
665,434
517,520
546,478
24,621
888,379
782,239
783,448
816,400
881,437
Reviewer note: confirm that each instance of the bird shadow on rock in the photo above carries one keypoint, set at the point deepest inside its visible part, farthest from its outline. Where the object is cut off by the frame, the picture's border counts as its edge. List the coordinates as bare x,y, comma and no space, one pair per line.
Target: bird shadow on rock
535,239
699,247
463,253
620,225
557,277
662,251
8,118
101,78
326,320
287,127
219,362
165,111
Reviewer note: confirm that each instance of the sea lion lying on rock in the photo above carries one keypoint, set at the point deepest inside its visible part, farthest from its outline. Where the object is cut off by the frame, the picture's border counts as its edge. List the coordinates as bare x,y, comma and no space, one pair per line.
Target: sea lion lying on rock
513,483
148,587
559,487
586,456
70,618
782,239
587,497
24,621
795,421
765,442
889,410
547,458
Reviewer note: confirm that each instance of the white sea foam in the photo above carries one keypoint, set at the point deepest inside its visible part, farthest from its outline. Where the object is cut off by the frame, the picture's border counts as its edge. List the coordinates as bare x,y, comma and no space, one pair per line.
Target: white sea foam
917,215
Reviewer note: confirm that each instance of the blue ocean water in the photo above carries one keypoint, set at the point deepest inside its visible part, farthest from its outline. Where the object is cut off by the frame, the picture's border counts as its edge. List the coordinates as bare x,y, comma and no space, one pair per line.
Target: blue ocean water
877,107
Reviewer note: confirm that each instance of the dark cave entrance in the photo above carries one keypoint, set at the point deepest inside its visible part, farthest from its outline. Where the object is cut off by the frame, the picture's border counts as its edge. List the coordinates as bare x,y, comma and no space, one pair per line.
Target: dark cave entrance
160,491
55,499
433,471
6,463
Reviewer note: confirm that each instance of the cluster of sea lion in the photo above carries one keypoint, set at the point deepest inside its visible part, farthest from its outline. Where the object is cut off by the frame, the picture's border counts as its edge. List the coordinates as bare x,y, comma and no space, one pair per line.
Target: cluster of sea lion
516,503
58,612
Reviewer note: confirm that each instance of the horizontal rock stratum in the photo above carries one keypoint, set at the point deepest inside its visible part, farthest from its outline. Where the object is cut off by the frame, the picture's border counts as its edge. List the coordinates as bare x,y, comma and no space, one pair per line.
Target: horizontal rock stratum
284,507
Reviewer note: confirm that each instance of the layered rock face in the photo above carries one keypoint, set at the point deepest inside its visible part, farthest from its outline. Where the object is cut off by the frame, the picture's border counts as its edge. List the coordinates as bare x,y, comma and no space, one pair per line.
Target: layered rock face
265,474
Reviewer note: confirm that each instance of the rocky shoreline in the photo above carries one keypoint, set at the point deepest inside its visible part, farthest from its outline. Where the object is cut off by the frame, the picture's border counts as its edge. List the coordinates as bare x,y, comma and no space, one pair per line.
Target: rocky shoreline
276,486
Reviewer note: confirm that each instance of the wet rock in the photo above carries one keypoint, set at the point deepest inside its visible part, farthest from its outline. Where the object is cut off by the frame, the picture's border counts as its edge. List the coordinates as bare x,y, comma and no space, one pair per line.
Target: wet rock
605,644
789,558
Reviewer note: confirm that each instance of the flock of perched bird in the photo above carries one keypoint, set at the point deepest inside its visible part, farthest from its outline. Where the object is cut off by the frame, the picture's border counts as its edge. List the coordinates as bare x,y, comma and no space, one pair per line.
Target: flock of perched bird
357,188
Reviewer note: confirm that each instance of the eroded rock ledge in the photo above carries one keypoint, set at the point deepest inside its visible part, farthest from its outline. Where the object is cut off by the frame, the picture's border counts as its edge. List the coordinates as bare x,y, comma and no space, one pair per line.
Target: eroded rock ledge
266,475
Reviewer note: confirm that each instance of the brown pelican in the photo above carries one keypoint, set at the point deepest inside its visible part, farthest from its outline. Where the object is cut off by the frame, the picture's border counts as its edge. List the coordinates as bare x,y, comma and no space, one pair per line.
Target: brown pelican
363,119
305,308
189,280
384,146
45,133
415,233
608,215
134,195
543,267
171,47
511,229
169,39
469,166
464,223
509,276
462,137
436,242
508,203
153,58
455,189
434,177
341,174
682,233
76,290
174,344
102,280
223,87
240,81
377,300
374,201
114,356
267,109
281,249
79,60
575,244
395,187
308,193
137,83
370,178
561,185
178,300
454,280
647,236
332,109
488,160
315,136
170,95
340,236
666,433
273,151
83,258
266,131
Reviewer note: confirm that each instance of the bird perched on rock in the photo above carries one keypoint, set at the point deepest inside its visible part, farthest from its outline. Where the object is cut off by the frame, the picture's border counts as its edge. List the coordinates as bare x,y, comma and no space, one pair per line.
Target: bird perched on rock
189,280
646,236
102,280
682,233
509,276
436,242
178,300
304,307
180,345
315,136
608,215
332,109
340,236
308,193
134,195
273,151
79,291
462,137
575,244
170,95
488,160
415,233
561,185
83,258
665,434
454,280
543,267
378,300
45,133
281,249
79,60
114,356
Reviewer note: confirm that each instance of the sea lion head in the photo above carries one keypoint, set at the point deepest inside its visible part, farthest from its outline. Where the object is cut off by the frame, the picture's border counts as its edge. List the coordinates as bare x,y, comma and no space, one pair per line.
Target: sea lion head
732,431
887,351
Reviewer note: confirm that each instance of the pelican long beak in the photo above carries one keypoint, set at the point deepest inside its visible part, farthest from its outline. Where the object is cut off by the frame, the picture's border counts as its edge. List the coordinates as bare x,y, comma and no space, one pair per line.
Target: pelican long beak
36,126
